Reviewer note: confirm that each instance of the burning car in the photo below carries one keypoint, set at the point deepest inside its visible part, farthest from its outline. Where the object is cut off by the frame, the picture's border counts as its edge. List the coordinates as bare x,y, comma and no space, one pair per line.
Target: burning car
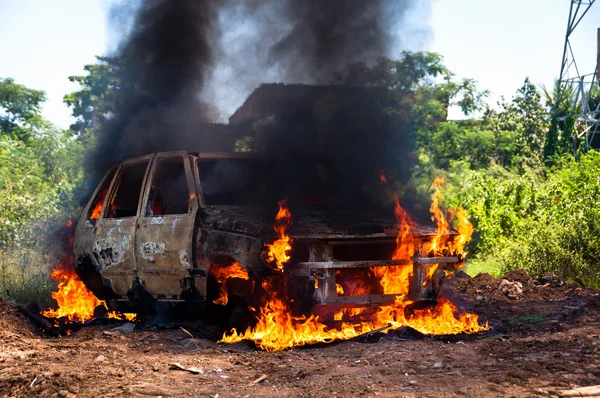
173,228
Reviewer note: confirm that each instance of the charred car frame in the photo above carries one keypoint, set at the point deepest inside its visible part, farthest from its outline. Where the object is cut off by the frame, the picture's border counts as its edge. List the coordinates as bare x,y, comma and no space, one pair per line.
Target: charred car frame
157,224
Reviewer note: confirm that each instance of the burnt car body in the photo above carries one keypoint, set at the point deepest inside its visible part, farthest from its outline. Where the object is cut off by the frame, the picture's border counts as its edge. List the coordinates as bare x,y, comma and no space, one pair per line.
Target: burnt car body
156,224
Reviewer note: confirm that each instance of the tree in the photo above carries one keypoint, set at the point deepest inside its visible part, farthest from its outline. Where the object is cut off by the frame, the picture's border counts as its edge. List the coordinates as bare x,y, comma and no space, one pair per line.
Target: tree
41,168
21,109
520,128
419,80
96,100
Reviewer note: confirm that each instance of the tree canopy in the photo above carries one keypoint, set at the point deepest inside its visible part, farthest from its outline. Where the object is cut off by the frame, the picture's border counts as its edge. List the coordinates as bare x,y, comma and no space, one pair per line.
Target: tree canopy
20,109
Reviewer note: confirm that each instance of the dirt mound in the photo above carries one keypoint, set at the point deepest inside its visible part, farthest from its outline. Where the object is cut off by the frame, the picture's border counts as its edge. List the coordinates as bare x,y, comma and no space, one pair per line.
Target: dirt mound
13,322
515,286
517,275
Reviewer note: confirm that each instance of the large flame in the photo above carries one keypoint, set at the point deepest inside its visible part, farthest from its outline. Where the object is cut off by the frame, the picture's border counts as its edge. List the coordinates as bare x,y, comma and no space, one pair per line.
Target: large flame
278,250
465,230
278,329
437,246
76,303
394,279
224,272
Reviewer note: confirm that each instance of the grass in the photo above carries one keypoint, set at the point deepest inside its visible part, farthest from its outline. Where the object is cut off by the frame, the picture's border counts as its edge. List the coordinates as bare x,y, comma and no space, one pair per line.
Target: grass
476,266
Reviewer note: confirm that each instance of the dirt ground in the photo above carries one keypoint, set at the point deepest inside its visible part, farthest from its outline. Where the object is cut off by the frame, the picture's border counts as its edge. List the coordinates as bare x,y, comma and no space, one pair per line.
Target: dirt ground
543,339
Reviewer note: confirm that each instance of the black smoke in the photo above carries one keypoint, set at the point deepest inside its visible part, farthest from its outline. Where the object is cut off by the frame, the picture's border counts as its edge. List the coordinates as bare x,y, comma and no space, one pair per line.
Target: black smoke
162,68
328,35
296,41
181,57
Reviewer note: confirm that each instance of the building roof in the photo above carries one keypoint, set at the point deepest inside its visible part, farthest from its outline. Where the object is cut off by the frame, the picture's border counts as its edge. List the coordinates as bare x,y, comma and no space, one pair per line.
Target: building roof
273,97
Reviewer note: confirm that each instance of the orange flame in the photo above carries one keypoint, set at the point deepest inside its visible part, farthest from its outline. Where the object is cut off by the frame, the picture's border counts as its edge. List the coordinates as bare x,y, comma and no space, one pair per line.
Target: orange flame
394,279
465,229
437,246
98,205
222,274
75,302
277,329
278,250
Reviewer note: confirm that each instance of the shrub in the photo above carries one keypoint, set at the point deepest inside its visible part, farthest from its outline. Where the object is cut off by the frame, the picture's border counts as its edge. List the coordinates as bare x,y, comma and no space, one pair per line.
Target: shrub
542,221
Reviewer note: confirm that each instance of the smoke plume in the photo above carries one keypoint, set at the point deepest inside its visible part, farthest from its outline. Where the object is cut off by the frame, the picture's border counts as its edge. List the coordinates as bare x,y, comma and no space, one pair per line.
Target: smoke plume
294,41
163,64
185,63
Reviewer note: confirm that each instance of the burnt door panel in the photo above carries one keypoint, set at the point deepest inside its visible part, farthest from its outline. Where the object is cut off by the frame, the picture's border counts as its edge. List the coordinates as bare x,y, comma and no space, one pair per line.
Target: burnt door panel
114,235
86,266
166,228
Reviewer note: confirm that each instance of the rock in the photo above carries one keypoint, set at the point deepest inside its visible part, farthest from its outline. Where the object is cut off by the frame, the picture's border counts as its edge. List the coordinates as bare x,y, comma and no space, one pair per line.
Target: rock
511,289
192,343
178,366
551,279
100,358
125,328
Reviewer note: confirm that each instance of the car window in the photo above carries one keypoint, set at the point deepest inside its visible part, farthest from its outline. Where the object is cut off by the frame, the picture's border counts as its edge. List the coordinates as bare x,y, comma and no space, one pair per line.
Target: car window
96,207
127,187
169,193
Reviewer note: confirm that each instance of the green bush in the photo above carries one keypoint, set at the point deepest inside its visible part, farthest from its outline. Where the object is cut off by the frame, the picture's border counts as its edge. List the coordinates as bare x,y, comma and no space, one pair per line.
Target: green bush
25,276
544,220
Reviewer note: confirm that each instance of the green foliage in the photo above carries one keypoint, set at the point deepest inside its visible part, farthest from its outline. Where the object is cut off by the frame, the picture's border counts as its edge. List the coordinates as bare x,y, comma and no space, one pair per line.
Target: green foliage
543,220
94,102
450,142
40,170
418,83
564,135
526,215
21,109
37,183
25,276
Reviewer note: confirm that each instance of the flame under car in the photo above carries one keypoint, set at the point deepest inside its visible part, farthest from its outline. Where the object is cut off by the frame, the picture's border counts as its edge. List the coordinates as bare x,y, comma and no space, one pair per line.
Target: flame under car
168,228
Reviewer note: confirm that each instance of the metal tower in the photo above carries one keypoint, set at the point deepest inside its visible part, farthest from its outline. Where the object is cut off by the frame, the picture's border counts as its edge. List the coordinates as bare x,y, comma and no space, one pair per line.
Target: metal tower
573,79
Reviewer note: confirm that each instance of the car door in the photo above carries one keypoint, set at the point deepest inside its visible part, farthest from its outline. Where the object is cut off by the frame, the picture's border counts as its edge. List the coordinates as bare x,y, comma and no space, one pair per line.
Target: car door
114,232
166,226
86,266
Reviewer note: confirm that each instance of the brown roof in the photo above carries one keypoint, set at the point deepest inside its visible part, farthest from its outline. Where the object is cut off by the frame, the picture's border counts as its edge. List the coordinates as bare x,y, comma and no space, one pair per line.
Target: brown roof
269,98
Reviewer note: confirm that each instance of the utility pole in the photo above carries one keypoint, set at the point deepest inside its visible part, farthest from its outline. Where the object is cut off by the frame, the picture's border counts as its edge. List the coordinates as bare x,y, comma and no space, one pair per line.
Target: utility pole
579,85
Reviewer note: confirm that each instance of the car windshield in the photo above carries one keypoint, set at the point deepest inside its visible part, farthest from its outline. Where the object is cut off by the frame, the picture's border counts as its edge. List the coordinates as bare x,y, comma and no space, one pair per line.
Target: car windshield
235,182
251,181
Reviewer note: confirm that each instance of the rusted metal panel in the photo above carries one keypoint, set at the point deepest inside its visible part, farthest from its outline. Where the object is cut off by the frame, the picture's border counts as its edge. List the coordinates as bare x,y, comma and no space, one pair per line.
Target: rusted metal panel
437,260
164,242
373,299
348,264
246,250
84,231
227,155
114,239
113,249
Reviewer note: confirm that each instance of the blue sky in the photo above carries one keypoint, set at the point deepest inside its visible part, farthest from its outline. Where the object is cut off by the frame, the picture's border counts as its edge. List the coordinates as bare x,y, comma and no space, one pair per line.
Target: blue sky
497,43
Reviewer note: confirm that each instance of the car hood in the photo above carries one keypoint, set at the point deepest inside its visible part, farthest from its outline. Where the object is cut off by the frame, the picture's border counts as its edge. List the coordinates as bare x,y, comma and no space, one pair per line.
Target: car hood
315,223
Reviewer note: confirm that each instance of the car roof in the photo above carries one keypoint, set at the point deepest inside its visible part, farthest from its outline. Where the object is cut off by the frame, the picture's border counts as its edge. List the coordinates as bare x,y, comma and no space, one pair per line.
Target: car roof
226,155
